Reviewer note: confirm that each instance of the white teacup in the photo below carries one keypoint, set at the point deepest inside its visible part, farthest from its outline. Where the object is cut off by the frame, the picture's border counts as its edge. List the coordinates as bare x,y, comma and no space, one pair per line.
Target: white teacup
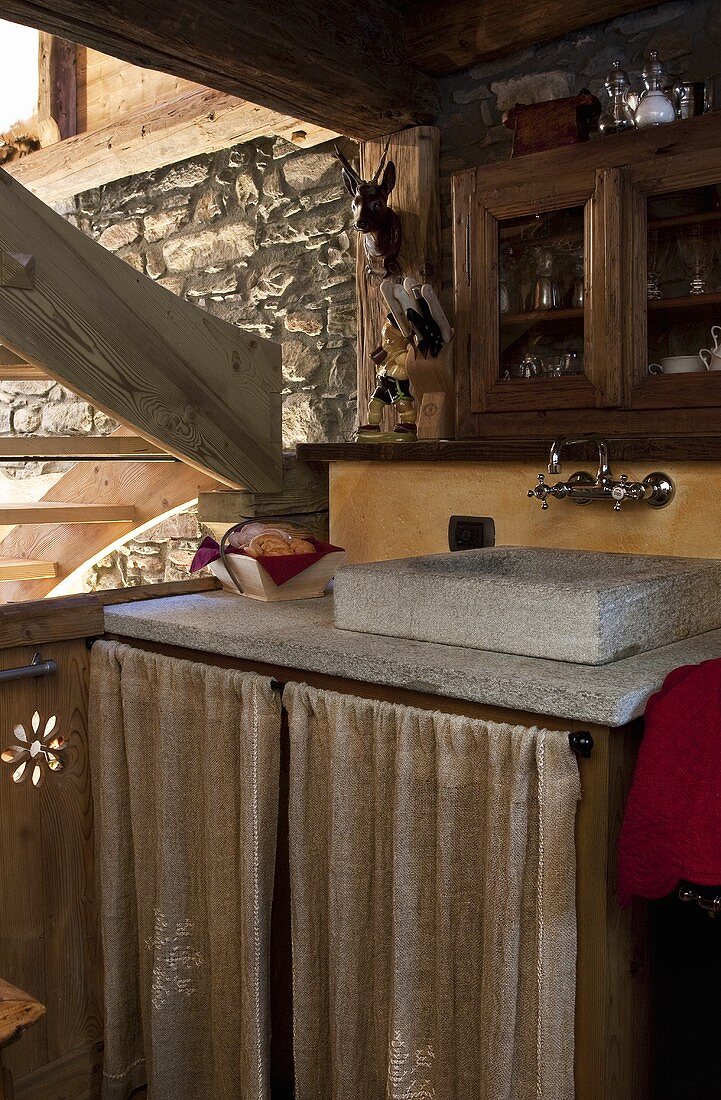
712,359
716,335
678,364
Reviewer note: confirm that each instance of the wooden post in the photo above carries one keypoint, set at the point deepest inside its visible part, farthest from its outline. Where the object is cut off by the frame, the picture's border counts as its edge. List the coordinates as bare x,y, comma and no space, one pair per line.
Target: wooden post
416,197
57,88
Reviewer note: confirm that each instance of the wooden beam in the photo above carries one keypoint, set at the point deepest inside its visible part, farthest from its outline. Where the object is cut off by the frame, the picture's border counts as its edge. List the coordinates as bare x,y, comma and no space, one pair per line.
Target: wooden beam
416,197
196,386
452,35
69,447
196,122
334,62
57,86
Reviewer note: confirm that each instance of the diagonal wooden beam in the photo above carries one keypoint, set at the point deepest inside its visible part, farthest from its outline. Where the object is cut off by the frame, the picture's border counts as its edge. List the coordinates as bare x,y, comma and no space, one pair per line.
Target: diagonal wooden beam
195,122
198,387
338,63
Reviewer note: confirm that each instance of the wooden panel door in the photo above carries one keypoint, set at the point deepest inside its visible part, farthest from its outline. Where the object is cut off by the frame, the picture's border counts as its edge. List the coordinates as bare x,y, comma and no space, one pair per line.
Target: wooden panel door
49,941
518,351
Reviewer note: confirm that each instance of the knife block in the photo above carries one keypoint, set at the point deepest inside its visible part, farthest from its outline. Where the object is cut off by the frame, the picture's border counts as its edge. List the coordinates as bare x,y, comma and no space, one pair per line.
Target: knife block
432,384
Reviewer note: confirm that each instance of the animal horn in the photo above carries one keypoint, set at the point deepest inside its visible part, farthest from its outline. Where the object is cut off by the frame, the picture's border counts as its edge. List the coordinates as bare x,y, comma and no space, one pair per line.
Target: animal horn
379,169
347,165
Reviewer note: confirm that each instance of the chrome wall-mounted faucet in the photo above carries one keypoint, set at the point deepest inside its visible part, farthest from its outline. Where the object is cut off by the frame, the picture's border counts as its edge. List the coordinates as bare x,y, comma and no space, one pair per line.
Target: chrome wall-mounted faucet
656,489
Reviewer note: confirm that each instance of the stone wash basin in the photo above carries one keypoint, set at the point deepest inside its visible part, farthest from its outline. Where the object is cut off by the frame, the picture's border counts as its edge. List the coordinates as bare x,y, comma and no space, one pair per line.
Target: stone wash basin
566,605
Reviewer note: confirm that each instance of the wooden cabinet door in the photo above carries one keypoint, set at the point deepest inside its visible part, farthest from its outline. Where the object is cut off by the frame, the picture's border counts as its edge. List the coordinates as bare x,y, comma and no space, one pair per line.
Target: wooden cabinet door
513,250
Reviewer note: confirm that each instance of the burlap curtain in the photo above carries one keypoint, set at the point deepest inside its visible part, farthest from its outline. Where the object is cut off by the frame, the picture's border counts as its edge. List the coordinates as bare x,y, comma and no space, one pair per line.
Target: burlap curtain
433,904
185,762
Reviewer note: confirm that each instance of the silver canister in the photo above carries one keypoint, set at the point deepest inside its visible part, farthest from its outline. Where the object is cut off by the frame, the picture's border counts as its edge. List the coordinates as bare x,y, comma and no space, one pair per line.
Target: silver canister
712,94
689,97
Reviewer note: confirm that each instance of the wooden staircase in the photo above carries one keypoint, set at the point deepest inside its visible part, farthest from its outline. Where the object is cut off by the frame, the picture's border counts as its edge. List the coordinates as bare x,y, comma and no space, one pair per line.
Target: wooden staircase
198,399
86,512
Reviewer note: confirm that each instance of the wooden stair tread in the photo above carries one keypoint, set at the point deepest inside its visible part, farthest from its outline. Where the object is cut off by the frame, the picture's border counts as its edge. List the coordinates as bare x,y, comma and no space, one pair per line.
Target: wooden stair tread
27,569
22,372
80,446
46,511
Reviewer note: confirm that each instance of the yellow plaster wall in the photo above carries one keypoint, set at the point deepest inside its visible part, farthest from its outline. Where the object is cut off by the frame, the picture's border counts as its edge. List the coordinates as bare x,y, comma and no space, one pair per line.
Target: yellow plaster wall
390,510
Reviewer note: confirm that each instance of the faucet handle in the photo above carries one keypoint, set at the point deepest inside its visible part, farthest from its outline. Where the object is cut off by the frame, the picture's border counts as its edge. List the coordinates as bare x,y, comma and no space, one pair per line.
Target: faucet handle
542,491
626,490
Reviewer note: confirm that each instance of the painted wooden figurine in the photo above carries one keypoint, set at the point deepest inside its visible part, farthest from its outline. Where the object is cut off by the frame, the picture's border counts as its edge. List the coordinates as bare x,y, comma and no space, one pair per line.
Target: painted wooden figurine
392,388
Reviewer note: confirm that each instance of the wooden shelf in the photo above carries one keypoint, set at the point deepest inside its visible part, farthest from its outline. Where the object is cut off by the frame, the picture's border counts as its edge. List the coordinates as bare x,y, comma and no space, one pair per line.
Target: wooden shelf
27,569
45,511
693,300
709,216
541,316
80,448
510,448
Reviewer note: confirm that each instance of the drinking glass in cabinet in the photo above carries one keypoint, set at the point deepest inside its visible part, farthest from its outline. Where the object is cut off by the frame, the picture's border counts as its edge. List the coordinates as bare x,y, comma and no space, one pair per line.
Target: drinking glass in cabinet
684,280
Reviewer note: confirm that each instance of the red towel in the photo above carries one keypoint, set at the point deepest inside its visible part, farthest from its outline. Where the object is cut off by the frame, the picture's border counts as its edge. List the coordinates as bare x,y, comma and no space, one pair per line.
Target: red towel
672,825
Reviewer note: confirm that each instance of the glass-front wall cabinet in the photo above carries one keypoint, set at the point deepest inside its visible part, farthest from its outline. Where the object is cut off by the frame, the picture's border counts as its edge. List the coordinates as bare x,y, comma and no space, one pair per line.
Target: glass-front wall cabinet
541,293
588,287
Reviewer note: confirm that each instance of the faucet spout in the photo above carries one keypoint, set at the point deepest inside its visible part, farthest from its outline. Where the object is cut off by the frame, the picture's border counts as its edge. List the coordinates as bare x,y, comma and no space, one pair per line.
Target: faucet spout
554,459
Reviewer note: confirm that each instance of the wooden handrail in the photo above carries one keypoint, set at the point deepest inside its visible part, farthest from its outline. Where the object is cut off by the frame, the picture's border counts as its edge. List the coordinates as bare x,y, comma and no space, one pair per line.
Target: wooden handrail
63,617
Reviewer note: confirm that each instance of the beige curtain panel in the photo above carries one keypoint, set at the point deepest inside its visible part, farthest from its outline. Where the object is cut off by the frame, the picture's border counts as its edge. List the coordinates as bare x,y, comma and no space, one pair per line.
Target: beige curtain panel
433,904
185,765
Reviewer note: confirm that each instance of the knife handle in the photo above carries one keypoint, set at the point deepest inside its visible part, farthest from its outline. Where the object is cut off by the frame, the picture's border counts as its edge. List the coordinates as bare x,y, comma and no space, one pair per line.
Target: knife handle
393,305
437,311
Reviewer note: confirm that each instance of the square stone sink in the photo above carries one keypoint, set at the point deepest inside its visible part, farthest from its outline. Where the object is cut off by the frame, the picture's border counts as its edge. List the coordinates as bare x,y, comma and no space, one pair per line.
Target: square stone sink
566,605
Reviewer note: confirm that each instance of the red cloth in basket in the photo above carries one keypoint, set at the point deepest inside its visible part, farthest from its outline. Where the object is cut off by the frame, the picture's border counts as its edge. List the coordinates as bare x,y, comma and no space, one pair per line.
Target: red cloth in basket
281,567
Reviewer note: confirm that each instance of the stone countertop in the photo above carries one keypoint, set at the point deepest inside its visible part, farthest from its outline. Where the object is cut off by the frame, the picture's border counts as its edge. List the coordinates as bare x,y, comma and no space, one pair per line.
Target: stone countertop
301,635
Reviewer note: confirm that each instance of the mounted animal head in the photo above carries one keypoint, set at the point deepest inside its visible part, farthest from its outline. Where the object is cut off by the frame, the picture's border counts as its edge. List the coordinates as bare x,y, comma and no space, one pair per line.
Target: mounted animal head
370,197
371,212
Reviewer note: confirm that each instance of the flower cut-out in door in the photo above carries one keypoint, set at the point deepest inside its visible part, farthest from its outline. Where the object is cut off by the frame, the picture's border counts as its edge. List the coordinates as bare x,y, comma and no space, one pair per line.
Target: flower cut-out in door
30,755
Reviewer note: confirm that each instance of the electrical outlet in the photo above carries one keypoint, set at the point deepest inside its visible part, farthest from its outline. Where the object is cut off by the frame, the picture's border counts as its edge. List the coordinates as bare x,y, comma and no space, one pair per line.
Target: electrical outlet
471,532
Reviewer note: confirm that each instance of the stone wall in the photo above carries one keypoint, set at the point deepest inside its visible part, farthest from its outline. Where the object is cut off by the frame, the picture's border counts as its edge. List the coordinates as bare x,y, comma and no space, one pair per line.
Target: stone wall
259,236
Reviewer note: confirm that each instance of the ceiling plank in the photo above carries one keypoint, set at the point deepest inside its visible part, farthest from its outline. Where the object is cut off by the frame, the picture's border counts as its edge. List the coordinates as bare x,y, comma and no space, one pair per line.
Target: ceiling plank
450,36
337,63
196,122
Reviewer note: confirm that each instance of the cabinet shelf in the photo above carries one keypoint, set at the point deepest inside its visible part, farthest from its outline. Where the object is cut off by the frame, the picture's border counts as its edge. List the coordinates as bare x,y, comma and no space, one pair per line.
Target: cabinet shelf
693,300
708,216
542,316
